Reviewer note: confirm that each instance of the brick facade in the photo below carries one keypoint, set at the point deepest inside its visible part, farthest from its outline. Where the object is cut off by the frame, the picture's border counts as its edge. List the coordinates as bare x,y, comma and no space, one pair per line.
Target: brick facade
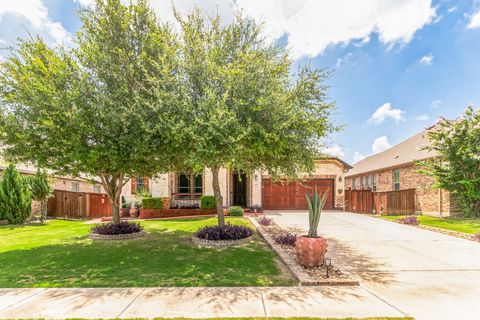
164,185
428,201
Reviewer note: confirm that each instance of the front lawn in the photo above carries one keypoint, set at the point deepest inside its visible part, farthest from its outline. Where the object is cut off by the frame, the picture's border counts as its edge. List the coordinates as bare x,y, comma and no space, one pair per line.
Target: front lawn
470,226
59,254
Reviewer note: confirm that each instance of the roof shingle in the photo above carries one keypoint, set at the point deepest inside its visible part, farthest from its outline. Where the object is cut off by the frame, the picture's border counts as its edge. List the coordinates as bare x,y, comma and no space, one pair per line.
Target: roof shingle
408,151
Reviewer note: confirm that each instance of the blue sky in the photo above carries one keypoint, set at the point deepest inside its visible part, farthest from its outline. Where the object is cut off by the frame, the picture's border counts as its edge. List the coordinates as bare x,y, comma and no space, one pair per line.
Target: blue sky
397,65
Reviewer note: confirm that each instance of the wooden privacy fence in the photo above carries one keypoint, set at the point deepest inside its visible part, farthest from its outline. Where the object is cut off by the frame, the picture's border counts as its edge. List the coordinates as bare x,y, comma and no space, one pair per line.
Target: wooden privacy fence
390,202
78,205
359,201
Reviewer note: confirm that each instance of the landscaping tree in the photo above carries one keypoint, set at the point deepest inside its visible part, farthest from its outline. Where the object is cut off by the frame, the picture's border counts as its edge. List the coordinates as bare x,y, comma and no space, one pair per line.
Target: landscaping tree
40,190
15,200
246,111
104,109
457,167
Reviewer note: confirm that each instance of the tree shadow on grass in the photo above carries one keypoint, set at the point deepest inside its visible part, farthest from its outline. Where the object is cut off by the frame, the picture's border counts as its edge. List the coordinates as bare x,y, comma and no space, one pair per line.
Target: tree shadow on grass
162,258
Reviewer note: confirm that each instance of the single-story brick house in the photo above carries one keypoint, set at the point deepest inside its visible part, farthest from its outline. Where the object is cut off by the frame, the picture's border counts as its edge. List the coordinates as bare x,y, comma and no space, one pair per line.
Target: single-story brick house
396,169
65,183
183,190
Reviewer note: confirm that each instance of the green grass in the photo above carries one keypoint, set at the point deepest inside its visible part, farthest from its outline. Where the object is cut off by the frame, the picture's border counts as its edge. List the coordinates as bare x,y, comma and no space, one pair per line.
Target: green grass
59,254
470,226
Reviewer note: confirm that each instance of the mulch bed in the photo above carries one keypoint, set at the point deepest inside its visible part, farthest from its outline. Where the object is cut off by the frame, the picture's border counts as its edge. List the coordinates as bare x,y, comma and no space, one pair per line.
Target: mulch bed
306,276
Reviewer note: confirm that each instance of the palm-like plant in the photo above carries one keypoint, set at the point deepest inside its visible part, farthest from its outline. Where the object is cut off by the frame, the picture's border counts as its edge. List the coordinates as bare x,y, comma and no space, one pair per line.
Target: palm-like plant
315,206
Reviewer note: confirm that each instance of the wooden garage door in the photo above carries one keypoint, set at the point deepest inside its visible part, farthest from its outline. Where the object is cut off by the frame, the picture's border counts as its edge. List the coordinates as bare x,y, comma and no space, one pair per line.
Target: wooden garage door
292,195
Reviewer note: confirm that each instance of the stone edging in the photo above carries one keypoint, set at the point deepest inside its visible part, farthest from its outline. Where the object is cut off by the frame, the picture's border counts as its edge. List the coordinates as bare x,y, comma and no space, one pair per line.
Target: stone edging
297,272
220,243
452,233
96,236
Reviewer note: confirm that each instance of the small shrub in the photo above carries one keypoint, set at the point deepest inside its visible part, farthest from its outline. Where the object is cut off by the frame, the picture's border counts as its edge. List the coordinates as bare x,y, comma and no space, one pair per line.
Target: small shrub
476,237
207,202
412,220
236,211
152,203
126,205
124,227
264,221
229,232
15,196
285,238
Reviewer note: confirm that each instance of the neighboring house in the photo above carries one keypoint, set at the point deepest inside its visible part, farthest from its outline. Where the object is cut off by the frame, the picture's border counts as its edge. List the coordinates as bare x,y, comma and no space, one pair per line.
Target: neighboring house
185,190
396,169
64,183
76,187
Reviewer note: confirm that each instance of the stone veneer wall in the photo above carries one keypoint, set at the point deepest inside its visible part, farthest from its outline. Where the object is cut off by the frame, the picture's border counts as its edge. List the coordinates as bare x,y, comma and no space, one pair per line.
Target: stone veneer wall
428,201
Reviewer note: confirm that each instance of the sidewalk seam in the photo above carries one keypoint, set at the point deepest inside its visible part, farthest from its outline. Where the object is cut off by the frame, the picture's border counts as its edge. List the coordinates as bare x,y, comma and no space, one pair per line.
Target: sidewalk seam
263,303
22,300
383,300
131,302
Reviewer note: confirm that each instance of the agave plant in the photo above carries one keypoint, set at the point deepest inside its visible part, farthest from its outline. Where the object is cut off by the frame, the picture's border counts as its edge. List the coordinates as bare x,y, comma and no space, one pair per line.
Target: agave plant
315,206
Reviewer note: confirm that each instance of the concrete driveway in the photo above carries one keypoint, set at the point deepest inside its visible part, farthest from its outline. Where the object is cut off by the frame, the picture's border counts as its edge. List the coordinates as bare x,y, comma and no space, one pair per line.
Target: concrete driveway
424,274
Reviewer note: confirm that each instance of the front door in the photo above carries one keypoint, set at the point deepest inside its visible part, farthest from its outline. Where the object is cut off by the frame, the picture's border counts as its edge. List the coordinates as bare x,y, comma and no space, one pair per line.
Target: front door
239,189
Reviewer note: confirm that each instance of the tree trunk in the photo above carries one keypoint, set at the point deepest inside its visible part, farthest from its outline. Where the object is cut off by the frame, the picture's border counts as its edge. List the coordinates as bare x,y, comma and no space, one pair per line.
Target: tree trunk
113,186
218,196
43,210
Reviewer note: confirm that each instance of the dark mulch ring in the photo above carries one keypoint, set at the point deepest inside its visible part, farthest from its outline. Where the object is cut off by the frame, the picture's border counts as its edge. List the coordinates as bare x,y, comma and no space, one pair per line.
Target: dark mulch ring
124,227
226,233
284,239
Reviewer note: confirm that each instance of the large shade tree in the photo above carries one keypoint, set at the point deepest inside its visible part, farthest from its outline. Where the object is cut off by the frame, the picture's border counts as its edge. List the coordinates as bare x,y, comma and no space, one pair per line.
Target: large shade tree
104,108
457,166
247,110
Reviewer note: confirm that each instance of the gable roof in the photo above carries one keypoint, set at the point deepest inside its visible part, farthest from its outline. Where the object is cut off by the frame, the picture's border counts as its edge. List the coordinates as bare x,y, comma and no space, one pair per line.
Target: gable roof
405,152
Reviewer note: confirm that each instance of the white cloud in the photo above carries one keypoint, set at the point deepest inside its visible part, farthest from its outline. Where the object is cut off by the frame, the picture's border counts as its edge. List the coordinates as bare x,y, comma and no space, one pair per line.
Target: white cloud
436,104
422,117
35,12
85,3
386,111
452,9
345,60
474,21
311,25
357,156
380,144
334,151
427,60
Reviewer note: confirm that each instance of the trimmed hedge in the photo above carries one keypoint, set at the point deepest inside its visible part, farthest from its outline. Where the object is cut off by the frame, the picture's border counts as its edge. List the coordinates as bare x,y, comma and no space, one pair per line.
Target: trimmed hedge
152,203
236,211
207,202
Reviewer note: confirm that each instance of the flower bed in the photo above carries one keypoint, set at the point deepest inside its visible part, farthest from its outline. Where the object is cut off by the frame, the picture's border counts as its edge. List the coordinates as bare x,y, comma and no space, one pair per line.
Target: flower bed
281,241
222,236
118,231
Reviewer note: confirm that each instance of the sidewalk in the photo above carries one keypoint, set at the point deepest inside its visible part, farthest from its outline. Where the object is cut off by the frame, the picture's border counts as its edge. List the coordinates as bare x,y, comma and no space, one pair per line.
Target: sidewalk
109,303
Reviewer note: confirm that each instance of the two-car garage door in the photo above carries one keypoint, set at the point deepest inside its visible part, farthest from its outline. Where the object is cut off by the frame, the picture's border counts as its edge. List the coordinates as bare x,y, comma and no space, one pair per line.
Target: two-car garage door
291,195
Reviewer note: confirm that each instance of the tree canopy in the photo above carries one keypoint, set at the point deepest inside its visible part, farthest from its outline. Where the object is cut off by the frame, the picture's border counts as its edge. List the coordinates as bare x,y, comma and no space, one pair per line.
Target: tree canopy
105,108
457,168
133,97
248,111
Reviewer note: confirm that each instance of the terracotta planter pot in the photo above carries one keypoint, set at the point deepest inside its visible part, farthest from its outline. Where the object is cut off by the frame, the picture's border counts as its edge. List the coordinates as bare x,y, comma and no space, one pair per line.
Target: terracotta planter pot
310,251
